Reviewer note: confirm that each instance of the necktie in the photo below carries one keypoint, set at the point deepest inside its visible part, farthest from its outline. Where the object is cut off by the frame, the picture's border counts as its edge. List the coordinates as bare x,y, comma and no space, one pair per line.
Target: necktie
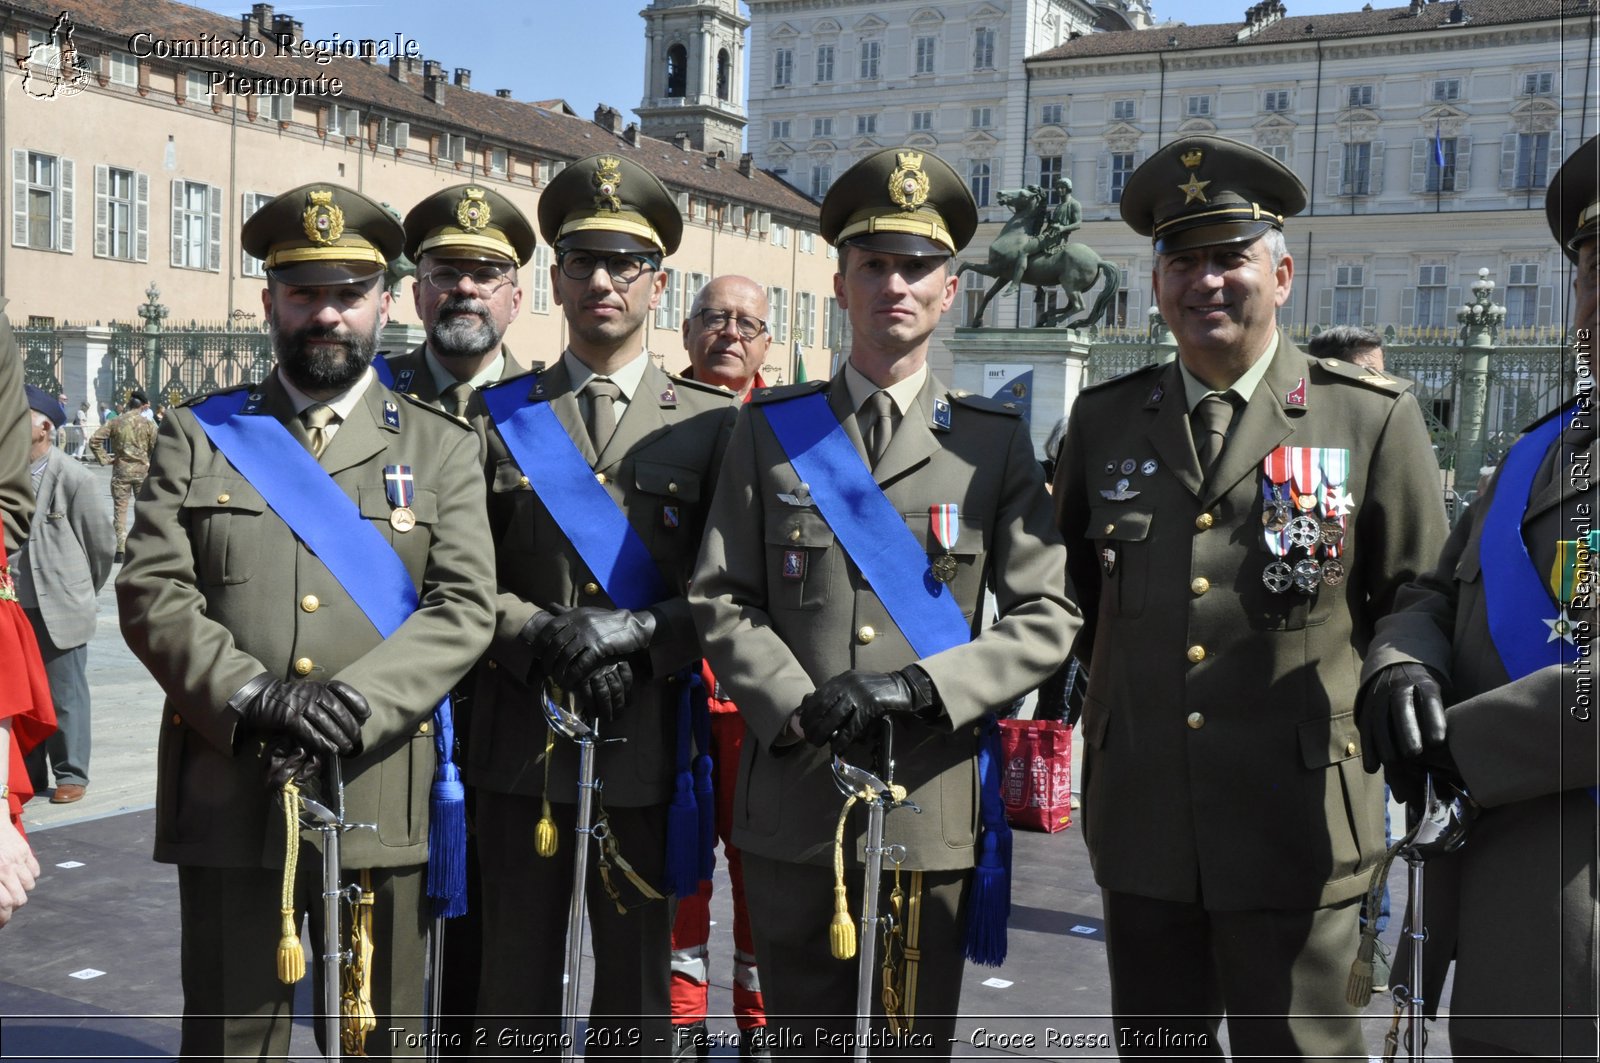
603,395
317,418
1209,422
878,413
455,399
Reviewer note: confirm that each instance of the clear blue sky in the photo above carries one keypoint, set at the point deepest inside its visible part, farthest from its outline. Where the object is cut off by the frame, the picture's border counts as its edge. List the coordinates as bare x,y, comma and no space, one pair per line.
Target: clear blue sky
583,51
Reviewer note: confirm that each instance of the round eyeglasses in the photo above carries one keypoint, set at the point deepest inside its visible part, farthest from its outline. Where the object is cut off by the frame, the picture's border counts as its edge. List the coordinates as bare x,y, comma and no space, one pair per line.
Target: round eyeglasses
716,320
486,279
622,268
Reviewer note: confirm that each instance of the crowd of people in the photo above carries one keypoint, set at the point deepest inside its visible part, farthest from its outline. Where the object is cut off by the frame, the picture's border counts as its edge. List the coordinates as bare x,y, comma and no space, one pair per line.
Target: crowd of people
358,580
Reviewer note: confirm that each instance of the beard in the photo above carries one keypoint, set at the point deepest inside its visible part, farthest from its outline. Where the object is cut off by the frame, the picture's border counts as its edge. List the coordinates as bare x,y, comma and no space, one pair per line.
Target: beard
462,337
314,367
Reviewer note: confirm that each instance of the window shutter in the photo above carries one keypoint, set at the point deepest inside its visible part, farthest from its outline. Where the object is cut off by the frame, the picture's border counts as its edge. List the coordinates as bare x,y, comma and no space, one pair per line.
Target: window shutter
402,135
1555,157
1508,160
1369,306
102,210
177,223
1408,306
1325,307
214,230
141,217
1375,185
1421,155
1452,302
1336,173
1546,304
19,198
66,232
1463,165
1102,179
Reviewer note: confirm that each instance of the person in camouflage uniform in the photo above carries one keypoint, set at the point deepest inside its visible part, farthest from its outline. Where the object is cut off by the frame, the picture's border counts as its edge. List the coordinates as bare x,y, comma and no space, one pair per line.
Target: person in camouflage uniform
132,437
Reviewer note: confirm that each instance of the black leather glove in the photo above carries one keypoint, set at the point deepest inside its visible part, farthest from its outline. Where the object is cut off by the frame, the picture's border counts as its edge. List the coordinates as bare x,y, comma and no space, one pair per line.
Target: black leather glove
1403,721
607,691
324,717
289,761
572,644
841,709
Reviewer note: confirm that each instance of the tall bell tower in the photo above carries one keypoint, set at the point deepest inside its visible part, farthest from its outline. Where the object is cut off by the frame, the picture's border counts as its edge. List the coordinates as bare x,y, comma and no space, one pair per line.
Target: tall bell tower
694,74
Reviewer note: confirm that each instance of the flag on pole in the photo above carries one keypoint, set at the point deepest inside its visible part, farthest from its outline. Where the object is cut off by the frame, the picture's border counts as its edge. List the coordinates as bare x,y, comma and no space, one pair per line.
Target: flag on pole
1438,147
799,364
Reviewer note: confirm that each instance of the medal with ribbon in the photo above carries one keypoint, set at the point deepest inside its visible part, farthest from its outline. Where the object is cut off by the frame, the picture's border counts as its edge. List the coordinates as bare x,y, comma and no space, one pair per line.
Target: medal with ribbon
1336,504
946,525
1305,465
1571,578
400,486
1275,515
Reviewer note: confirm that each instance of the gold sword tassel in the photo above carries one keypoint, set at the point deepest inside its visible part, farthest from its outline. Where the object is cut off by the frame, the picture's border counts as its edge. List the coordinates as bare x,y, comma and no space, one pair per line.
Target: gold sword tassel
355,1003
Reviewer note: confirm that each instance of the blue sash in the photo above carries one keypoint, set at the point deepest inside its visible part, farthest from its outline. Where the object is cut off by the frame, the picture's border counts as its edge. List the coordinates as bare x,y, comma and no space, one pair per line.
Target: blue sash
875,536
592,522
330,525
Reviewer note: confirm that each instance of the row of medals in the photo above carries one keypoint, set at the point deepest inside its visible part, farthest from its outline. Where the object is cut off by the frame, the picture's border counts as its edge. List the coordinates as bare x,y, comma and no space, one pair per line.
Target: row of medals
1294,518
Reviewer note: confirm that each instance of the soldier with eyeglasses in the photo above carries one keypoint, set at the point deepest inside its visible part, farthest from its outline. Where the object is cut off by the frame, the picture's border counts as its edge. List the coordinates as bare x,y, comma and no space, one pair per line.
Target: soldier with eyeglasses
602,430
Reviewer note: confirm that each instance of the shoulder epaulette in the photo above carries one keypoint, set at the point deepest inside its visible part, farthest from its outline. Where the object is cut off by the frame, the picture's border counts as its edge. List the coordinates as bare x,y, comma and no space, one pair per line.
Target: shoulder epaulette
785,391
1121,377
525,377
209,394
412,400
987,405
1360,374
696,385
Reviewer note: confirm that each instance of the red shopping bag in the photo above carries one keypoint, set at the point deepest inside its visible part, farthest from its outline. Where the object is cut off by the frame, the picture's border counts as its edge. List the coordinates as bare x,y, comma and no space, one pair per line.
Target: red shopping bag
1037,781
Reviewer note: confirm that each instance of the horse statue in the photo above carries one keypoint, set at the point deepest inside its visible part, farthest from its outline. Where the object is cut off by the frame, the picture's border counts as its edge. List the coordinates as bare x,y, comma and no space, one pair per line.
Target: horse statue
1017,256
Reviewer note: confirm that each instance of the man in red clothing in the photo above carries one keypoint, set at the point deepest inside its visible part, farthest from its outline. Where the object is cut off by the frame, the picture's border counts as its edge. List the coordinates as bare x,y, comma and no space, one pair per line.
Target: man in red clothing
726,335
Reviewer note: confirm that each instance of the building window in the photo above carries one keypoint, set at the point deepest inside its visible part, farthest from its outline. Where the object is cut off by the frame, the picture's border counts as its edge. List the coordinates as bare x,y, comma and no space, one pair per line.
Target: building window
805,318
822,127
42,201
824,63
196,226
667,309
394,134
866,125
924,55
724,74
197,86
1197,106
124,69
677,70
921,121
1531,164
780,234
983,49
539,280
278,108
782,67
452,146
821,178
1441,165
121,214
982,117
1050,114
1432,308
498,160
249,203
1359,96
1275,100
1355,178
833,322
1348,293
978,180
871,52
1124,110
778,302
1446,89
1522,294
343,121
1540,84
780,130
1121,170
1277,151
1049,174
808,242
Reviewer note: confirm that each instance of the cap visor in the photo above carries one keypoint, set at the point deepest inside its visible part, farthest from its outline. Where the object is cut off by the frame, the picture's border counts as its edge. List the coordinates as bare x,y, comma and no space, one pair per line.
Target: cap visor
606,240
321,274
466,253
1210,235
900,244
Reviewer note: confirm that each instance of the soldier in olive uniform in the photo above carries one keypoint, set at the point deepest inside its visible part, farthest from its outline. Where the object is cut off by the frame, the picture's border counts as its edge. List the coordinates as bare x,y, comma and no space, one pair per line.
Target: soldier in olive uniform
1236,523
270,665
652,443
811,640
1483,675
16,486
131,437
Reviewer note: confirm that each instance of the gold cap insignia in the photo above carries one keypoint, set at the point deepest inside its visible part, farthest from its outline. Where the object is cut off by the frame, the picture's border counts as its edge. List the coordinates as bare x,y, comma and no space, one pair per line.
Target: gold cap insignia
472,212
1191,159
908,185
1194,190
323,221
607,180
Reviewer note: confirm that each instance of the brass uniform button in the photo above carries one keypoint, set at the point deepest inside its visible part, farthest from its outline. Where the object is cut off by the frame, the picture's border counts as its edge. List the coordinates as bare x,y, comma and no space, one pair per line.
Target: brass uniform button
424,728
222,499
522,481
1204,521
1110,528
1350,749
600,477
494,664
310,603
794,535
672,489
591,588
176,719
865,634
303,666
1199,585
1197,654
1195,721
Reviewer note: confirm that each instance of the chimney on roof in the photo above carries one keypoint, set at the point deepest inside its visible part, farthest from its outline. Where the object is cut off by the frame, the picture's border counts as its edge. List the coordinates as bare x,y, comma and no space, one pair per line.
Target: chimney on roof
608,118
287,27
711,160
261,16
504,94
397,68
746,164
631,134
433,82
432,68
680,140
368,51
1415,10
463,78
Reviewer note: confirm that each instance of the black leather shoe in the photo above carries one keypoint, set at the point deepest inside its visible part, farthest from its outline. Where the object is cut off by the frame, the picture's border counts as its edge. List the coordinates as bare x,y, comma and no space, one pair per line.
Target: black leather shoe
755,1043
690,1041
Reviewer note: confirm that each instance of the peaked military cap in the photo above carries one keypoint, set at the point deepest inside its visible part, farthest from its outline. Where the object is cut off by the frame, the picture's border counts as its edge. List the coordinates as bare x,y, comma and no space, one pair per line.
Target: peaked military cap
608,202
1203,190
323,234
469,221
1572,206
900,201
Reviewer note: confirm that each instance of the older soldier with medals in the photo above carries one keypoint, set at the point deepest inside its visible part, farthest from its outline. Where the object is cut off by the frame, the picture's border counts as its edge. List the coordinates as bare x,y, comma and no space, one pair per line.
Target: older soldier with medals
840,594
600,468
308,573
1236,523
1483,676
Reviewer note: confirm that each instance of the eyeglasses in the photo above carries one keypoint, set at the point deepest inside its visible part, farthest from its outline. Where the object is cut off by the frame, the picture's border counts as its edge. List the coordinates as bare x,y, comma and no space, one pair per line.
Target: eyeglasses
621,268
717,320
486,279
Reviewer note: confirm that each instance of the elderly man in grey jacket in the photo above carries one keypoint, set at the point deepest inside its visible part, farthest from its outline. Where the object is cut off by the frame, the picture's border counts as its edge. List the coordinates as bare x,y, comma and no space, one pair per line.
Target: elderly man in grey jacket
59,571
